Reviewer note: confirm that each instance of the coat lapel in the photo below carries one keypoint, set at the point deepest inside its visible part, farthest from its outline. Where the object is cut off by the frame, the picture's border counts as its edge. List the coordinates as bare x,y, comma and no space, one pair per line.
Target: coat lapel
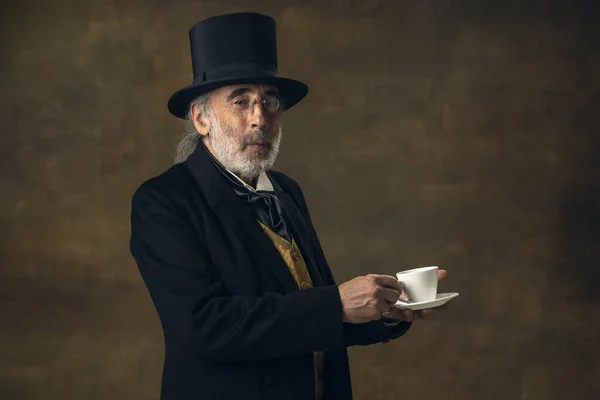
239,218
299,231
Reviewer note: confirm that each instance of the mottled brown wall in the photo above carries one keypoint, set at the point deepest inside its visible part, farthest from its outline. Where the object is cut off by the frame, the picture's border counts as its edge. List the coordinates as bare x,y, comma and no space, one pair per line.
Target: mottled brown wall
457,133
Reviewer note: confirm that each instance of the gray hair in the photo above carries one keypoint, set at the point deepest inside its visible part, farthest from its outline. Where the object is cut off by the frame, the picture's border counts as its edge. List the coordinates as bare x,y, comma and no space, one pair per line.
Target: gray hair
190,138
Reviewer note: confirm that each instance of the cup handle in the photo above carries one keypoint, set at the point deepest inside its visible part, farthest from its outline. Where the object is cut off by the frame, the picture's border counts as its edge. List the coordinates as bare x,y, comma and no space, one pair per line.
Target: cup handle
405,300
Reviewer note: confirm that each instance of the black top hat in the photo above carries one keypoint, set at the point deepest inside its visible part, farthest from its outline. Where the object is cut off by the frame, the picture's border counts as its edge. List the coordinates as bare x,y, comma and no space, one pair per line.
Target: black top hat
233,49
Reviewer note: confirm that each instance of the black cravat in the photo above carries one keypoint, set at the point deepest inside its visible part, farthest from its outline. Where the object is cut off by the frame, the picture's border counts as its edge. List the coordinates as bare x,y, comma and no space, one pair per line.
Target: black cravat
265,204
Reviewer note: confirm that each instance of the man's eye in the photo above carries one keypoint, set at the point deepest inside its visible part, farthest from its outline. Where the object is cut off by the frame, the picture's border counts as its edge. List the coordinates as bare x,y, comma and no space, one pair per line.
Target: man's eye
242,102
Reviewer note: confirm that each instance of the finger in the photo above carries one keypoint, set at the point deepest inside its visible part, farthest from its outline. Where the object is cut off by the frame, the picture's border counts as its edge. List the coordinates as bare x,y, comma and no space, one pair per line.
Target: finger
442,274
396,313
408,315
389,282
391,296
385,307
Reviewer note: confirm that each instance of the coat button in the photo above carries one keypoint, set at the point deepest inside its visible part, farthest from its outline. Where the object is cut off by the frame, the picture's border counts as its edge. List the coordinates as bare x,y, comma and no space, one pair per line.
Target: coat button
296,255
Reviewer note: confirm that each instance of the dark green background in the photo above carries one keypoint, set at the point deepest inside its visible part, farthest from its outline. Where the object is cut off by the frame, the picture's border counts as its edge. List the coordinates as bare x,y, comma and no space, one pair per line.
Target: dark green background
458,133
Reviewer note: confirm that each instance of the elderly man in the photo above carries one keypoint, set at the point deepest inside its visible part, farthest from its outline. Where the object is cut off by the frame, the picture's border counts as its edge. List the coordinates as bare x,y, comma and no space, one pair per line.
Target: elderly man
247,302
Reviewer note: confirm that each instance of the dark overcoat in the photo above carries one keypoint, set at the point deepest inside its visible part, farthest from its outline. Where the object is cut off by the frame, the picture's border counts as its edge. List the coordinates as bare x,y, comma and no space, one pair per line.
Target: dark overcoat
235,324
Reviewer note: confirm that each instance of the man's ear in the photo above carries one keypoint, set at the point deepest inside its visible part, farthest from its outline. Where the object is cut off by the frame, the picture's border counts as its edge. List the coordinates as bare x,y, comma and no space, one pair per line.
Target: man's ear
201,122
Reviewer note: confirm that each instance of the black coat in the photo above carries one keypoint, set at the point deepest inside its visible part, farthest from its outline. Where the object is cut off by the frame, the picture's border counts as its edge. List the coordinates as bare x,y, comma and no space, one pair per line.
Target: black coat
235,324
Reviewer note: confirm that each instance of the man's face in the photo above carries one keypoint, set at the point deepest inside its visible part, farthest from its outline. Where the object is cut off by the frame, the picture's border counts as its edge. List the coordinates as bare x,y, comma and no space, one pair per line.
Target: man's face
244,131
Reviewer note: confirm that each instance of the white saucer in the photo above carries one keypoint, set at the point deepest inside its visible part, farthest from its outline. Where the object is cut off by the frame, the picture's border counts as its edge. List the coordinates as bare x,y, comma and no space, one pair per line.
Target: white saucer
440,299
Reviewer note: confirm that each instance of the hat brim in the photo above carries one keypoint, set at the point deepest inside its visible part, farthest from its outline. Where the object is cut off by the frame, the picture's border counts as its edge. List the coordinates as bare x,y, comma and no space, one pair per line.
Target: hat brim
290,90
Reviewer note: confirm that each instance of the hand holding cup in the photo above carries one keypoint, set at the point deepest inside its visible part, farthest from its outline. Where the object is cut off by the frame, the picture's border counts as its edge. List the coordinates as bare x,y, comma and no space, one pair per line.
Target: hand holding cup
365,298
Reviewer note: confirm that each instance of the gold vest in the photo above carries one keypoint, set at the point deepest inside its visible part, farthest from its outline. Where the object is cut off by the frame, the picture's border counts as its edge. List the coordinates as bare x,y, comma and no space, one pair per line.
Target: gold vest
295,262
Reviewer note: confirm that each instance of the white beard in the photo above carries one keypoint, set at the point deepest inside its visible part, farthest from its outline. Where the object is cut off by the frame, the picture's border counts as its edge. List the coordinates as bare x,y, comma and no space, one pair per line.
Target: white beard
236,157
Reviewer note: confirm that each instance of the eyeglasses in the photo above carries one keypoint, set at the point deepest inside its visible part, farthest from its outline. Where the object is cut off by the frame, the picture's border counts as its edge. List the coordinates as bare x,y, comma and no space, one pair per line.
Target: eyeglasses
244,103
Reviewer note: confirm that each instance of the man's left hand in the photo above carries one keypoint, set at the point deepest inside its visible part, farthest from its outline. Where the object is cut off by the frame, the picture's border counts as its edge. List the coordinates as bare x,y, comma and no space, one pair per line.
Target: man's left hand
410,315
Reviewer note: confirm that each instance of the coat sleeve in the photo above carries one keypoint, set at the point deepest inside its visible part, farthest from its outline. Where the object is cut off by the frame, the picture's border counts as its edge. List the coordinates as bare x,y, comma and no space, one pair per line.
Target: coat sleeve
354,334
199,315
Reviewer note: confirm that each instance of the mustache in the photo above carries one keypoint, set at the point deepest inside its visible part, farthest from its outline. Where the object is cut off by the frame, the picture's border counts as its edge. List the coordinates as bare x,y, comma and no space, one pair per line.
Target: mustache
257,137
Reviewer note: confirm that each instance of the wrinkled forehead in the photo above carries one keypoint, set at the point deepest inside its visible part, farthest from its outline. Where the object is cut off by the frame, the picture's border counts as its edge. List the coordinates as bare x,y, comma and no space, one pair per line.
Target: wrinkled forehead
251,89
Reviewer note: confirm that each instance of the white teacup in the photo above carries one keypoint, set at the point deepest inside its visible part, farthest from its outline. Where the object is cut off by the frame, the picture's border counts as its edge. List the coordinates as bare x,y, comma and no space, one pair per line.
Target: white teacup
420,284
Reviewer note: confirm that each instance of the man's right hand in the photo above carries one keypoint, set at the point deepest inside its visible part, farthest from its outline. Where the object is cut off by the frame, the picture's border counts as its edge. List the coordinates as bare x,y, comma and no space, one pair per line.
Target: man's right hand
365,298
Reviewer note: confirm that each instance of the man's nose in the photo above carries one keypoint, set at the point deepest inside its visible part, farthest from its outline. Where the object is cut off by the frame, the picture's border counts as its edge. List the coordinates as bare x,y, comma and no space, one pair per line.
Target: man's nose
258,116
